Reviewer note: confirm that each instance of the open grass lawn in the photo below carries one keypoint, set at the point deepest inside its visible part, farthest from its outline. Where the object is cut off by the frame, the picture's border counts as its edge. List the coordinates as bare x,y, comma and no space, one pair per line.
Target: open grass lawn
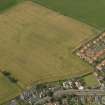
91,80
89,11
36,44
7,89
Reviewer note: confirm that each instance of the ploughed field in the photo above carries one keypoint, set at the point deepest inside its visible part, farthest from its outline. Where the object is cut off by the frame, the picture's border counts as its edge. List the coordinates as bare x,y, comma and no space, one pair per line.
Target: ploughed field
37,44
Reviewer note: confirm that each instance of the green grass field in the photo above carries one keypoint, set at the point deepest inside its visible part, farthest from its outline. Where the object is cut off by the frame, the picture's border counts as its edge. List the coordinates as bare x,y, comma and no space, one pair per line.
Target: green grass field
7,89
91,80
6,4
88,11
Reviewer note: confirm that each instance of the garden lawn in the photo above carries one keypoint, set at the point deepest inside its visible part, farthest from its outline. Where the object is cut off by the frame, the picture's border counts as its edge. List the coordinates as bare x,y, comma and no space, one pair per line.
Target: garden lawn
91,81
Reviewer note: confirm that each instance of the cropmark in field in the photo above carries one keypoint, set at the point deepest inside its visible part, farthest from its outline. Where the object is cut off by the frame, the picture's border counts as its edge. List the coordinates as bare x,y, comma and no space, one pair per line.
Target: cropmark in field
37,43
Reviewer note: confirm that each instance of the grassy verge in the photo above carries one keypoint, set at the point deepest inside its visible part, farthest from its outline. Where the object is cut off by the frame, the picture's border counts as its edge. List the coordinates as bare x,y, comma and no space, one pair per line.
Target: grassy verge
91,80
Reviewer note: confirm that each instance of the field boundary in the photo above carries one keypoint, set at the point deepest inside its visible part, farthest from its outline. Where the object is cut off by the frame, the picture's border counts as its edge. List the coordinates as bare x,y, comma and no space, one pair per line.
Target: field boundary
94,26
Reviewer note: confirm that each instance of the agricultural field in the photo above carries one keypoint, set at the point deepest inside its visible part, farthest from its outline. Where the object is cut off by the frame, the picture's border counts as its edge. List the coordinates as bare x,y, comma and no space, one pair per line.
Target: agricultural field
88,11
37,44
33,48
7,89
6,4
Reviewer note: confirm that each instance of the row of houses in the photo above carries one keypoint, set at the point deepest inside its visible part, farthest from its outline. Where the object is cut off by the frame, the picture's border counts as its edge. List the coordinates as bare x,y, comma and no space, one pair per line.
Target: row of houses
43,93
94,50
94,53
101,66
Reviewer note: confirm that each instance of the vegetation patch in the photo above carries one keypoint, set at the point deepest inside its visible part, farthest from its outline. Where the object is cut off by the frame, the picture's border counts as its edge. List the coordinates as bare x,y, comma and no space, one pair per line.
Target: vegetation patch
88,11
9,76
5,4
8,90
91,81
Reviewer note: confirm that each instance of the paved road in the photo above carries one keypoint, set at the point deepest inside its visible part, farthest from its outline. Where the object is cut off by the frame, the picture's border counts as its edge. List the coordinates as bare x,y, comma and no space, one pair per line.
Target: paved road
60,93
42,101
79,92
